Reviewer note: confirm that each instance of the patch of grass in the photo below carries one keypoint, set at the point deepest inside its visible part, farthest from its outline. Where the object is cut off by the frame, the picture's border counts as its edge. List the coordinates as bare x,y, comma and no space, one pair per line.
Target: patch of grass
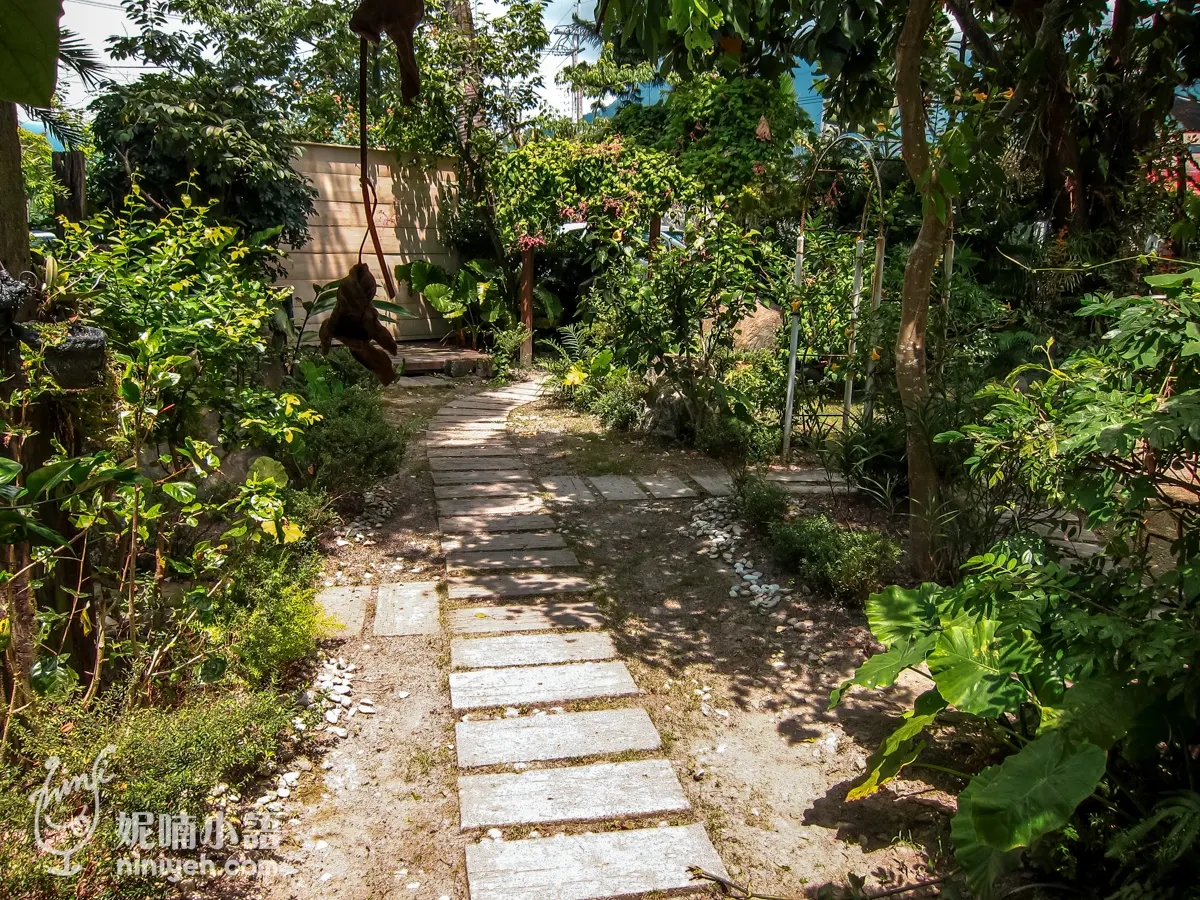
849,564
760,502
166,760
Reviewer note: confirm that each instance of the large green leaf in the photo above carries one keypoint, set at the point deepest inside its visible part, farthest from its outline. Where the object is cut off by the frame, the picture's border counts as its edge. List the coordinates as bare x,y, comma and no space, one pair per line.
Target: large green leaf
883,669
900,747
441,297
9,470
974,668
395,310
29,50
981,864
1097,710
898,614
1009,806
422,275
265,467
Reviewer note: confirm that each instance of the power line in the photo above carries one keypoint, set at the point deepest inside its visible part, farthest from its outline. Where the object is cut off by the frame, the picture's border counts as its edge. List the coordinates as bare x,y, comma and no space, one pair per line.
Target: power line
99,4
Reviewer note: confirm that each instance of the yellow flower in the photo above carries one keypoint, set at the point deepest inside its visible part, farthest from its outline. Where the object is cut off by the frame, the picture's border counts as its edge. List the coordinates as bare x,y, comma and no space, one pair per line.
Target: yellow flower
575,377
880,126
875,354
1007,95
981,96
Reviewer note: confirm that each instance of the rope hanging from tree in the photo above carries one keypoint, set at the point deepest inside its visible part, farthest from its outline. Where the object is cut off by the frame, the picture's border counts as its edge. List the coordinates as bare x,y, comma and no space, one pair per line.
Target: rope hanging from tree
354,321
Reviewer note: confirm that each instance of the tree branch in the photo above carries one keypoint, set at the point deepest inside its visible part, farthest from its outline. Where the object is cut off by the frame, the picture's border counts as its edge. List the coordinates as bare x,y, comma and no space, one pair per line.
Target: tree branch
978,38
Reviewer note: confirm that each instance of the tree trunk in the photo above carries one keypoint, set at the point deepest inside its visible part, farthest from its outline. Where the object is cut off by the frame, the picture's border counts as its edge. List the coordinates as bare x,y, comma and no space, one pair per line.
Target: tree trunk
70,172
527,306
912,378
14,214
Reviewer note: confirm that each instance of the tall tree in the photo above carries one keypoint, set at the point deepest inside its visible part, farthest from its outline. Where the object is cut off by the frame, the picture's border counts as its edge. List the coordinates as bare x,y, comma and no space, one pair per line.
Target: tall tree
912,376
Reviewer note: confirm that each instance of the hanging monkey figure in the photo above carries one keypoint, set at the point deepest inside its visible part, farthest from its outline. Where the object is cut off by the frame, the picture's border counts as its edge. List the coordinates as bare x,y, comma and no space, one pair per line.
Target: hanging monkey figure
355,322
399,18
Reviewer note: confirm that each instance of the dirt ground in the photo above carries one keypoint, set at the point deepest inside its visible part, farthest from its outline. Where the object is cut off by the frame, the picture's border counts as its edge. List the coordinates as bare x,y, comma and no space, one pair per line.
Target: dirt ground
739,696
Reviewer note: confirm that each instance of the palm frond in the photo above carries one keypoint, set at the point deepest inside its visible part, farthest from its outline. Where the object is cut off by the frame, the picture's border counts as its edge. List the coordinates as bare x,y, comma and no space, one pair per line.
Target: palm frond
77,57
58,124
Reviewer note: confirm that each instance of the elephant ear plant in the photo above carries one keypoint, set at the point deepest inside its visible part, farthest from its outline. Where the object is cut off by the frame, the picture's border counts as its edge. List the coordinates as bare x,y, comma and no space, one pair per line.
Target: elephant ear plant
1084,670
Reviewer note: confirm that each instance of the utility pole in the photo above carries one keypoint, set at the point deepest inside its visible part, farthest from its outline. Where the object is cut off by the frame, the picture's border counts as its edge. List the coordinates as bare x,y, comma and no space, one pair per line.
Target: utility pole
575,62
568,45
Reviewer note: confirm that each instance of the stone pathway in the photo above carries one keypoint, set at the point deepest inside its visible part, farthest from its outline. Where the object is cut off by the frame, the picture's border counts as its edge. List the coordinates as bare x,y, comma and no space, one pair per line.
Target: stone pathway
538,658
632,488
550,732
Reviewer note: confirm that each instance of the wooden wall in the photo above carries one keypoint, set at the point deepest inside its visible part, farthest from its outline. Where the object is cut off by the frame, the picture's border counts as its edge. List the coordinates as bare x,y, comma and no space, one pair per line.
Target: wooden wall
411,192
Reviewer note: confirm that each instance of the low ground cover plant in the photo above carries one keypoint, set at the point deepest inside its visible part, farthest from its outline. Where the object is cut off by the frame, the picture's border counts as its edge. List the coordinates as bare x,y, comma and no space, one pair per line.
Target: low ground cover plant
846,563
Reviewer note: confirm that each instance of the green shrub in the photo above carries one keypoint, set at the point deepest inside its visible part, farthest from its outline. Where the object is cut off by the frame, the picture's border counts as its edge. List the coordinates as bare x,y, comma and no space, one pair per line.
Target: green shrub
353,445
618,400
849,564
166,760
342,367
269,617
761,503
729,438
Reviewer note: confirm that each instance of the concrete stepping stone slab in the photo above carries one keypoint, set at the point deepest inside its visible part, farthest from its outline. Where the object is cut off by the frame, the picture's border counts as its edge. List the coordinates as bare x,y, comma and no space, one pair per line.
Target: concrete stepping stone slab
462,442
423,381
407,608
576,794
475,463
480,587
544,616
465,429
485,688
806,476
588,866
346,607
483,409
617,487
485,477
530,650
495,489
483,437
568,489
490,506
718,484
666,487
442,452
564,736
807,489
504,541
481,524
512,559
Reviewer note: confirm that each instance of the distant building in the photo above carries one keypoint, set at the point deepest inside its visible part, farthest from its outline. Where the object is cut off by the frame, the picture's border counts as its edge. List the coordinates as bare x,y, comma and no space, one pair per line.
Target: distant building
1186,112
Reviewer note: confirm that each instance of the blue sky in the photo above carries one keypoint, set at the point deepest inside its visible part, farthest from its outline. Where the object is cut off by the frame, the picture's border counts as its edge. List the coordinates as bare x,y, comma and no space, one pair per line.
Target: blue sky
96,20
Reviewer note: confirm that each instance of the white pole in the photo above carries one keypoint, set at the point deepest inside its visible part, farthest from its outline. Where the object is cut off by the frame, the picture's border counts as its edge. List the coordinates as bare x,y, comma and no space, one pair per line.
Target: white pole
798,278
856,296
876,298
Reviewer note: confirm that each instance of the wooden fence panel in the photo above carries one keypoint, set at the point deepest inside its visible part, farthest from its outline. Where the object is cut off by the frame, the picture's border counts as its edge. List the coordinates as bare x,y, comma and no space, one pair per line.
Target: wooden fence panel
411,192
